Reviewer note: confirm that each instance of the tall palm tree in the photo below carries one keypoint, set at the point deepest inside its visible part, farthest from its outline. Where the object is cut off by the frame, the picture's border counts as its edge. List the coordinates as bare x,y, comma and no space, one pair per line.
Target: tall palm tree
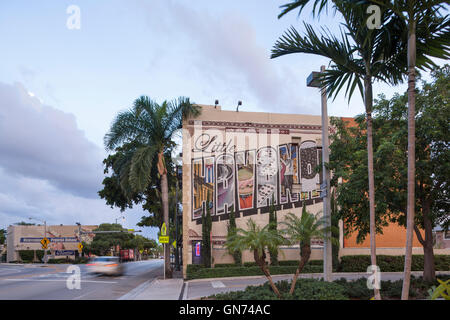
380,56
151,127
258,240
358,58
415,13
302,230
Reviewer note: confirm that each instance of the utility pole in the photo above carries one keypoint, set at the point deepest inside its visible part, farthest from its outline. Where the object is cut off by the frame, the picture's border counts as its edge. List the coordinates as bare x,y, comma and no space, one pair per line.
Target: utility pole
314,81
45,236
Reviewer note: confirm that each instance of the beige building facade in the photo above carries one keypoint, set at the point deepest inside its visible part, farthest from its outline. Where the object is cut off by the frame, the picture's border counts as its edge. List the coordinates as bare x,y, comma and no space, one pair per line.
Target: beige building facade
241,161
63,239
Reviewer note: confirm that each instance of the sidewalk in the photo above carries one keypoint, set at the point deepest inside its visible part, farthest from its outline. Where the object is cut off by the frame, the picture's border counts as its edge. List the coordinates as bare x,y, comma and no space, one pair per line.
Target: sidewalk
158,289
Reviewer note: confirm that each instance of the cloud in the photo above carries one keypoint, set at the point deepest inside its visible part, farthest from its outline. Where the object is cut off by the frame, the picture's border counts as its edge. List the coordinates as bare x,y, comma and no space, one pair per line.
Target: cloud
224,49
39,141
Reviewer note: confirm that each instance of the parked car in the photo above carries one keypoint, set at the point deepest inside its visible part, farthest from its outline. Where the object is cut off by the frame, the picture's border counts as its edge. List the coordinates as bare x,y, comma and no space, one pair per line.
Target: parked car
106,265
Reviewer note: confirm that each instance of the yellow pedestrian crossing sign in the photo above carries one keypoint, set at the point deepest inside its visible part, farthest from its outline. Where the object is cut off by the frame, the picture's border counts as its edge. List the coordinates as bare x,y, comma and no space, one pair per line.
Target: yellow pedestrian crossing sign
45,243
164,239
80,247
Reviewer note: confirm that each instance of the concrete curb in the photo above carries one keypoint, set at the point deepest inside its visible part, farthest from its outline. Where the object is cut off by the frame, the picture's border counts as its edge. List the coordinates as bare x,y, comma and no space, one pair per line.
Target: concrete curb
136,291
312,275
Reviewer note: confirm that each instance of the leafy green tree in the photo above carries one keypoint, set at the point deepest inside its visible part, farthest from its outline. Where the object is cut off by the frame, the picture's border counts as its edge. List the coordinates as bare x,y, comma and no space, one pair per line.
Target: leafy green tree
361,56
273,226
335,233
258,240
103,242
237,255
23,223
415,13
301,230
206,235
391,147
2,236
150,127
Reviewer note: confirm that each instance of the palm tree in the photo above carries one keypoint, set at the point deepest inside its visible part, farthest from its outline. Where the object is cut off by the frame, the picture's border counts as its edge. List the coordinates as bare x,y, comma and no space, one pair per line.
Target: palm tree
258,240
417,13
302,230
150,127
380,56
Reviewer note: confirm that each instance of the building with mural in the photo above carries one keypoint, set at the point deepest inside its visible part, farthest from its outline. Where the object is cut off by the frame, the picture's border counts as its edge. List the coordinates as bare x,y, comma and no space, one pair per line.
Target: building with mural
242,161
63,239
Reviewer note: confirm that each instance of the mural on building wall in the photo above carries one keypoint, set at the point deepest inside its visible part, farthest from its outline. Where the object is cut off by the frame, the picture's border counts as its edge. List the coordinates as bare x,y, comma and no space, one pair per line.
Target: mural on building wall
248,180
267,169
225,183
203,186
309,159
245,168
288,169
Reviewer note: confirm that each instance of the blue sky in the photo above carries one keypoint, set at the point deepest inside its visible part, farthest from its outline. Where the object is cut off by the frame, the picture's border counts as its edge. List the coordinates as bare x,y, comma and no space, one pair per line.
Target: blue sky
62,87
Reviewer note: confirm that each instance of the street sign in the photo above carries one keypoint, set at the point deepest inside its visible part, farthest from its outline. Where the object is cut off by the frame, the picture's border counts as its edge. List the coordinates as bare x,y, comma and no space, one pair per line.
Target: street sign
164,229
45,243
174,244
164,239
80,247
130,230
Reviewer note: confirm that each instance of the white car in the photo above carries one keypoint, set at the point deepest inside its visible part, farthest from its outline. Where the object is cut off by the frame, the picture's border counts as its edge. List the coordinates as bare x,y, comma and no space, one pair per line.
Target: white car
106,265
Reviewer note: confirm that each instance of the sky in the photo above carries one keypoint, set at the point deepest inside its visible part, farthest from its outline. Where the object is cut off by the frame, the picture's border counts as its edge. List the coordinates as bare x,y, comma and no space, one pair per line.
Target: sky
61,87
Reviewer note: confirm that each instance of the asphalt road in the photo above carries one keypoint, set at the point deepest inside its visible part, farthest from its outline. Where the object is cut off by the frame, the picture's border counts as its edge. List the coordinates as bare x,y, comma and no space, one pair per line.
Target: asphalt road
49,282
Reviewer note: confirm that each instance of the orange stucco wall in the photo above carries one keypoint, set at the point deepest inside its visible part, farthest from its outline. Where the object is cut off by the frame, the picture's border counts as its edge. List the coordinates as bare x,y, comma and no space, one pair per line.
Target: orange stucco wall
394,236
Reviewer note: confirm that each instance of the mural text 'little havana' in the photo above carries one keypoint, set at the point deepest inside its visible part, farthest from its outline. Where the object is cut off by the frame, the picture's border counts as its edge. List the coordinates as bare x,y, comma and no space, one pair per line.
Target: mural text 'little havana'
245,181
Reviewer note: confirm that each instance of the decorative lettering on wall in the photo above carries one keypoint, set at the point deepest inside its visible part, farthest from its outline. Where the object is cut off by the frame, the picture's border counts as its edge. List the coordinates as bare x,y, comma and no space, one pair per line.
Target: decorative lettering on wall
248,180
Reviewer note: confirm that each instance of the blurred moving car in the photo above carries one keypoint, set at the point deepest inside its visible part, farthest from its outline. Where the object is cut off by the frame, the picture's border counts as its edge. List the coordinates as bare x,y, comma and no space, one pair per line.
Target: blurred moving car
106,265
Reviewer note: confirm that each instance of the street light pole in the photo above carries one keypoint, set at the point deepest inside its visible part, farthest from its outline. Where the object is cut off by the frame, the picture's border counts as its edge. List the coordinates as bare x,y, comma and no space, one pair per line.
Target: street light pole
45,236
325,189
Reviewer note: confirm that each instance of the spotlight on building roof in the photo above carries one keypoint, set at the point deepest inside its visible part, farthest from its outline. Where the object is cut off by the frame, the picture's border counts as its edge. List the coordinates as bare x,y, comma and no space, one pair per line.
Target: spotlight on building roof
239,104
216,103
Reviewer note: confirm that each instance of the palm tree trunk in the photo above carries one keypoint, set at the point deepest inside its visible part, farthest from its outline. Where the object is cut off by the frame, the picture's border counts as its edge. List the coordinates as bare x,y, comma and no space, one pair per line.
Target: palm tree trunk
261,261
368,100
305,254
165,204
429,273
411,156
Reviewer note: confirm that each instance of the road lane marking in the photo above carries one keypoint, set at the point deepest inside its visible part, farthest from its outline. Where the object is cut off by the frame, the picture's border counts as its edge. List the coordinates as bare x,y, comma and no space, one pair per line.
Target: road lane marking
217,284
56,280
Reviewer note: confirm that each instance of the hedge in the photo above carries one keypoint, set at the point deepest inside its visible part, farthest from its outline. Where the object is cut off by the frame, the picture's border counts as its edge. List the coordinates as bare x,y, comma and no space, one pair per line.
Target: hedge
359,263
200,272
28,255
315,289
305,289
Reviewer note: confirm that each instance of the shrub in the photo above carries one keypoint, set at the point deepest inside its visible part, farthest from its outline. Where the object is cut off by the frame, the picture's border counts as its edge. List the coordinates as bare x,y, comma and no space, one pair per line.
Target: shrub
356,289
311,289
306,289
202,272
359,263
226,265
